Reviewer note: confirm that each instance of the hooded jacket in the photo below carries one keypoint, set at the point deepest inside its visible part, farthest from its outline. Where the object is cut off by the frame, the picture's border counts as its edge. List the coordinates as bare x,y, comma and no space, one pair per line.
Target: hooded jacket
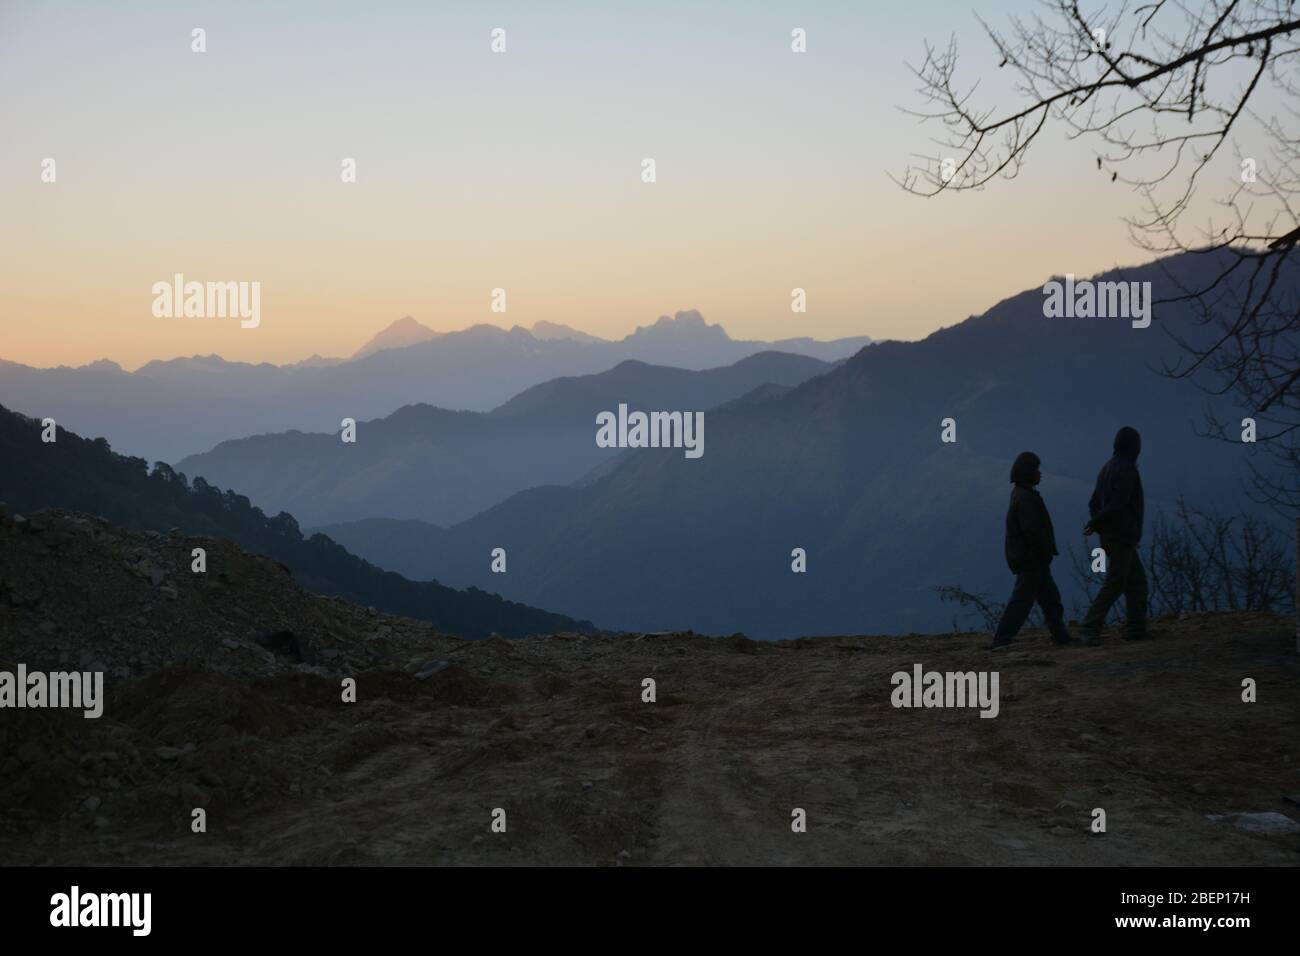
1117,503
1031,541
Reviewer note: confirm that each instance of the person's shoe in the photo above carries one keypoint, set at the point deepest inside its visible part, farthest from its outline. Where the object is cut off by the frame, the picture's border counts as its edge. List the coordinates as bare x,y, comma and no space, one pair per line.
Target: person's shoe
1001,645
1089,638
1143,635
1066,641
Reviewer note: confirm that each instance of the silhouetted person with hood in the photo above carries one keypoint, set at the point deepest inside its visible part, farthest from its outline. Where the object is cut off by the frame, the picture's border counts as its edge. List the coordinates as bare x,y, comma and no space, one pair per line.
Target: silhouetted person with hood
1116,508
1031,545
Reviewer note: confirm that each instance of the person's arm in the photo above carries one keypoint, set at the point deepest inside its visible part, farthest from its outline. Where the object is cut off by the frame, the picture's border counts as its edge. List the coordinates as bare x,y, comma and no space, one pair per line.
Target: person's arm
1093,507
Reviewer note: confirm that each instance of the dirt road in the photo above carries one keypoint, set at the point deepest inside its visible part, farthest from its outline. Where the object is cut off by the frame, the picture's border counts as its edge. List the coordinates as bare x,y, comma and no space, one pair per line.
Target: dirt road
554,732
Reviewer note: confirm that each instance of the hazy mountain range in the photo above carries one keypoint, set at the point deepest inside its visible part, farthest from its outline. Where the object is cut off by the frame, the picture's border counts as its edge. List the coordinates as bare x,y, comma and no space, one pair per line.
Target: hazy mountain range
407,331
169,409
78,474
850,467
844,461
445,466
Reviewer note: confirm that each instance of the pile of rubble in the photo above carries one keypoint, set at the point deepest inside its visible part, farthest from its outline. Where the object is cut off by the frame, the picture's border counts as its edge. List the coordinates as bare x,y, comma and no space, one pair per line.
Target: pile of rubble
79,593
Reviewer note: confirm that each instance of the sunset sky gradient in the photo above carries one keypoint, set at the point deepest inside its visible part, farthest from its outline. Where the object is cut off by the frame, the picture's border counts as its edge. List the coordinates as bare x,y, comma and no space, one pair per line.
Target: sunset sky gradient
518,171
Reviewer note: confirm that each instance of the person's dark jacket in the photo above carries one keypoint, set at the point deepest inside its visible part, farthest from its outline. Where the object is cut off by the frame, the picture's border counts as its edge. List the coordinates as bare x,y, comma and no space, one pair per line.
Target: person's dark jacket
1031,542
1117,504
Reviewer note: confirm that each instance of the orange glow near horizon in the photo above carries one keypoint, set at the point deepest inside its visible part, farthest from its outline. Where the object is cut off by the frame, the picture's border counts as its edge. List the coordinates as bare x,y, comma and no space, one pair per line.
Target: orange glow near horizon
477,172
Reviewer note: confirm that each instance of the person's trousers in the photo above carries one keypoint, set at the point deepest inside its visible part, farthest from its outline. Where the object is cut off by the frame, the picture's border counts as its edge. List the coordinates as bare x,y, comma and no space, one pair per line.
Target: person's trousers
1034,585
1124,575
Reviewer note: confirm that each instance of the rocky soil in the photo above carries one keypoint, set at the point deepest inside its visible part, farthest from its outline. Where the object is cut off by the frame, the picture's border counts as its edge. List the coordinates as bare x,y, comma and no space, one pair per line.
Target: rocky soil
224,692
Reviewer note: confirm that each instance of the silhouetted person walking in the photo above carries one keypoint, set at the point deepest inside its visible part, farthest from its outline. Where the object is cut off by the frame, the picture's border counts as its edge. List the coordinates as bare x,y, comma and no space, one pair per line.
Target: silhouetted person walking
1031,545
1116,508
